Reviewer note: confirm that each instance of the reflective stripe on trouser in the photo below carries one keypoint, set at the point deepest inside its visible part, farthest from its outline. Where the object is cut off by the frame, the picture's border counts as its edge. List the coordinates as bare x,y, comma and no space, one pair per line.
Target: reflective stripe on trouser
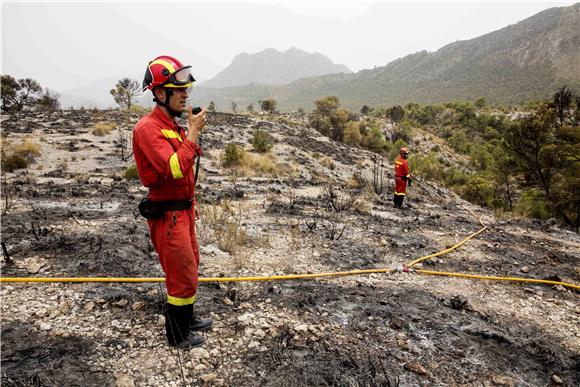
173,237
400,186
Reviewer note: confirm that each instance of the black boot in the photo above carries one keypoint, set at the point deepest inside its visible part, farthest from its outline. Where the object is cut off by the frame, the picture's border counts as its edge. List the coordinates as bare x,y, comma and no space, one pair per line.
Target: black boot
401,199
199,324
398,200
177,329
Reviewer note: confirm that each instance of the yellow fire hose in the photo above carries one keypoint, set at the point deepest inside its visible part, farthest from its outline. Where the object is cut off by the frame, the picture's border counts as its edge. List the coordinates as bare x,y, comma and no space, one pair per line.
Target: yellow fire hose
407,268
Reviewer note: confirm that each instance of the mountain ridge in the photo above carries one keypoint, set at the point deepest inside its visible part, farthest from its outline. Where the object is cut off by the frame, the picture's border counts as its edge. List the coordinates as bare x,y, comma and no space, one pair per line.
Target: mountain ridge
273,67
524,61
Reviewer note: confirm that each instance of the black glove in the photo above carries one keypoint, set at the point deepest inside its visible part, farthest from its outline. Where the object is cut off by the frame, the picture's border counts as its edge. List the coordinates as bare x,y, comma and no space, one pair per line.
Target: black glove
404,178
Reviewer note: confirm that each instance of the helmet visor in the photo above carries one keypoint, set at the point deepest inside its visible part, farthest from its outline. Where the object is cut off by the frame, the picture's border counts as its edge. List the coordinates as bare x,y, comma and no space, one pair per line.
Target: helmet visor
182,76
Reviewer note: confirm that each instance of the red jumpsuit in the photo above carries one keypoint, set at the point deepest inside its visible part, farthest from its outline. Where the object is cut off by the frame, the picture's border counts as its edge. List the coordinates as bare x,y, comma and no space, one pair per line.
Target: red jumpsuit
402,174
165,158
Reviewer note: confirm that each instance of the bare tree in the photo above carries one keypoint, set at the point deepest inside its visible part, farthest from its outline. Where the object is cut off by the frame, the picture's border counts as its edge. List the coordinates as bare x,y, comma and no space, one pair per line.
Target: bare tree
9,195
378,175
125,92
124,147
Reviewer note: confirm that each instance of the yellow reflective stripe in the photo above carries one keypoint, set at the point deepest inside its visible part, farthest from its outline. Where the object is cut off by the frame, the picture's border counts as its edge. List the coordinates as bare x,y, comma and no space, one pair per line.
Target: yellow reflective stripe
400,193
171,134
180,301
178,86
163,63
398,163
175,168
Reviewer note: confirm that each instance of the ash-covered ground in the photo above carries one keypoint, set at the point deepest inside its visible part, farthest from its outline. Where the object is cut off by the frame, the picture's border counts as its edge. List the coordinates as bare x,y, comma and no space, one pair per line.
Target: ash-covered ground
313,205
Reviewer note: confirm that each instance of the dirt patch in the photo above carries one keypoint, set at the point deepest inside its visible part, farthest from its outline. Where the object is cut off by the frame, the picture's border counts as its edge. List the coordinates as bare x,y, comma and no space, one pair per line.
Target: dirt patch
33,358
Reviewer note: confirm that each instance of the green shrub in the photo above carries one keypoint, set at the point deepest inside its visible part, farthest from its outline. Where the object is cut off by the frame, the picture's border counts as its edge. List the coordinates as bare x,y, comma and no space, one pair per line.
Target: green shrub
459,142
351,135
131,173
261,141
478,190
233,156
534,204
102,129
374,140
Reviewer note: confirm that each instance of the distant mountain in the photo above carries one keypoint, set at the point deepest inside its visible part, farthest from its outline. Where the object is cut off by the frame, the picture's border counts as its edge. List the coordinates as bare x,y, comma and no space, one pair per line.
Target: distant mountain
521,62
273,67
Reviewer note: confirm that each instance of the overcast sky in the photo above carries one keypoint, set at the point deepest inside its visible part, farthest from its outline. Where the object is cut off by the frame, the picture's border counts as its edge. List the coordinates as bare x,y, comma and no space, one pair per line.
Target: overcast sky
66,45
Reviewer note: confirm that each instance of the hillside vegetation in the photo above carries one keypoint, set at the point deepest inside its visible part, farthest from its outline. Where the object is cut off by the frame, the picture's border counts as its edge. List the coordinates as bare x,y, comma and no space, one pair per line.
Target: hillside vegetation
518,63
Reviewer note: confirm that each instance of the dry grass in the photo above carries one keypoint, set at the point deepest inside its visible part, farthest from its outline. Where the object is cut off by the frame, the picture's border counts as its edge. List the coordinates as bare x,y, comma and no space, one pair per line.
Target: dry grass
242,163
225,222
357,181
18,156
103,129
327,162
139,109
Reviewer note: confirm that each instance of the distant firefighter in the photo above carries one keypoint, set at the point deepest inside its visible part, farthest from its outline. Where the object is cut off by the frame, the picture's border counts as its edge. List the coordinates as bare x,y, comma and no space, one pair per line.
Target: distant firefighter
402,177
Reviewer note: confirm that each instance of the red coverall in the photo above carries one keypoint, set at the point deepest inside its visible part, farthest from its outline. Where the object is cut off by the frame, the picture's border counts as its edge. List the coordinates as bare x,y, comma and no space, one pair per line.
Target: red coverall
165,158
401,169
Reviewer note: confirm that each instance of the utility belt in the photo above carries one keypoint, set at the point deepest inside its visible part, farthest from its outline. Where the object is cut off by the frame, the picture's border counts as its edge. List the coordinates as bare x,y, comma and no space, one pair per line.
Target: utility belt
150,209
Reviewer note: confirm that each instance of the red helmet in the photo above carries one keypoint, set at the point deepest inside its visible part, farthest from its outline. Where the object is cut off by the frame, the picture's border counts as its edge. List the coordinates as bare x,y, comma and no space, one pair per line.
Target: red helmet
404,151
167,71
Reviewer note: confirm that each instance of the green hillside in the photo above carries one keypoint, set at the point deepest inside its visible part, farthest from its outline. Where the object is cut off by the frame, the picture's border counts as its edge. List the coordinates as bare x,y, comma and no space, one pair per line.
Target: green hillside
518,63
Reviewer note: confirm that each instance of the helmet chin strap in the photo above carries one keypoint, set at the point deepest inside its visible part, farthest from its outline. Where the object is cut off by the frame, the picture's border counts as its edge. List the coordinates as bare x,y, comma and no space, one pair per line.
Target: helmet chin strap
168,94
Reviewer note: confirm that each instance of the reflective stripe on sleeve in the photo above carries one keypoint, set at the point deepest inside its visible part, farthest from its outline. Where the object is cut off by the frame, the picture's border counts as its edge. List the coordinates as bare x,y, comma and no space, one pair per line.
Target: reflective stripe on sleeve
171,134
175,168
180,301
399,162
400,193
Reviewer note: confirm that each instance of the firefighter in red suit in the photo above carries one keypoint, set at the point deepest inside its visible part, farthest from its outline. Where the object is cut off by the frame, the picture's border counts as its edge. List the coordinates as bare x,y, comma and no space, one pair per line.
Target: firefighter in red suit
402,177
165,154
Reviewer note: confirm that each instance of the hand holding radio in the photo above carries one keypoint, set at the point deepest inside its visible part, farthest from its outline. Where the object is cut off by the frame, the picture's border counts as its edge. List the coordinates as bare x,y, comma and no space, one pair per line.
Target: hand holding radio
196,120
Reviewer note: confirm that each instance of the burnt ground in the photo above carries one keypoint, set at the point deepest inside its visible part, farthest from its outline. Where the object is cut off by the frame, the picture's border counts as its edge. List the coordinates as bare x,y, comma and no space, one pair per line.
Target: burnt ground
73,214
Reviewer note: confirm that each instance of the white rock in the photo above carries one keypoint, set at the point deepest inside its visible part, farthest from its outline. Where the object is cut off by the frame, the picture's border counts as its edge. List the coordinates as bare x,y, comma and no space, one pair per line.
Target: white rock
33,265
253,344
45,326
301,327
199,353
121,303
208,378
160,320
89,306
200,367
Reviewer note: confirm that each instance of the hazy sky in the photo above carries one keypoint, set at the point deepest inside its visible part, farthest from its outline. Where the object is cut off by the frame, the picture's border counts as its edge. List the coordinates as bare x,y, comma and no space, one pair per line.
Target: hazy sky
68,44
